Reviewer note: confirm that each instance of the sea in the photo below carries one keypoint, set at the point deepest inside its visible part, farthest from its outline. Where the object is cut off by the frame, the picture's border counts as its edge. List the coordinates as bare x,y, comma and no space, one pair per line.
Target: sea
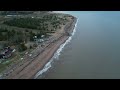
93,50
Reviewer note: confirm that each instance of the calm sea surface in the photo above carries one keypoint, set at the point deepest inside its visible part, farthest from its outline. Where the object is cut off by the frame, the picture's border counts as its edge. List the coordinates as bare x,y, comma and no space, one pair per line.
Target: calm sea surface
94,51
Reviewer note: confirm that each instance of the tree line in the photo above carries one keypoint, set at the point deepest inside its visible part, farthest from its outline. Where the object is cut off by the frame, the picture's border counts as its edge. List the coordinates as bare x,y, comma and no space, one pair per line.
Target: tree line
37,23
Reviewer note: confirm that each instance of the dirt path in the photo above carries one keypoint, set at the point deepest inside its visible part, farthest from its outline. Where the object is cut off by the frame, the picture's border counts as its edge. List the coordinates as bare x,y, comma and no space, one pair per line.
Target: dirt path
32,68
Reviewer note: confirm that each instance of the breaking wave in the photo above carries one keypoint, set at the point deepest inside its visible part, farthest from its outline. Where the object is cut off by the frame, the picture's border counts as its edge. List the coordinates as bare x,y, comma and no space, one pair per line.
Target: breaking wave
56,54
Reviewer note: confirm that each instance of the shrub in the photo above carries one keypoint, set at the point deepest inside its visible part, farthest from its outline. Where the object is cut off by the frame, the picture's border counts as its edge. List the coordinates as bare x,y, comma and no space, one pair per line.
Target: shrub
22,47
31,47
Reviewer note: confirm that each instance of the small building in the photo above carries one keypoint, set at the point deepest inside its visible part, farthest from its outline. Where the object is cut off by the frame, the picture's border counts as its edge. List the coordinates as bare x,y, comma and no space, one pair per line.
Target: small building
6,53
42,36
41,40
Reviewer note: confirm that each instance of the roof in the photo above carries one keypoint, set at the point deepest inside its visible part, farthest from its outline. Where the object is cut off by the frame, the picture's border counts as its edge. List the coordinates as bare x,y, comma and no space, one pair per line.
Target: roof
7,53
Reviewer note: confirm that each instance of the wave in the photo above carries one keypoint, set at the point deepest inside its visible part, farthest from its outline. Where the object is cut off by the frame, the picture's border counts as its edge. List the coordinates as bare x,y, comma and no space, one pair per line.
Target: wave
56,54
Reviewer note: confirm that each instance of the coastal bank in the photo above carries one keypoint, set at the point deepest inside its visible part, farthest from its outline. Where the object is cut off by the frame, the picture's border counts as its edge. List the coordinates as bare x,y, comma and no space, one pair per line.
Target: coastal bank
29,70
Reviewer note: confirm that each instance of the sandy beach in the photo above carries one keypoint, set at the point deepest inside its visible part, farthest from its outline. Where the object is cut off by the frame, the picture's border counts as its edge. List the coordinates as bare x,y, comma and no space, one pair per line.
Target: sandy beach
29,69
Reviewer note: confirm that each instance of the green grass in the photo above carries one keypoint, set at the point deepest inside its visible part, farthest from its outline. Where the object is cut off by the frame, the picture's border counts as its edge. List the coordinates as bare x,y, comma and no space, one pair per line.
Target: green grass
2,67
4,64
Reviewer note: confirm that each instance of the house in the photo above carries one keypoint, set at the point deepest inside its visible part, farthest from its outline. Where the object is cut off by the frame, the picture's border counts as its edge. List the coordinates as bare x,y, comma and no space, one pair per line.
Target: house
6,53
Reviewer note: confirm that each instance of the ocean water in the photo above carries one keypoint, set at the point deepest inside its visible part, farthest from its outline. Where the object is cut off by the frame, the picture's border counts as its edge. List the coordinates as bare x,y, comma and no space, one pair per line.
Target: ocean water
93,51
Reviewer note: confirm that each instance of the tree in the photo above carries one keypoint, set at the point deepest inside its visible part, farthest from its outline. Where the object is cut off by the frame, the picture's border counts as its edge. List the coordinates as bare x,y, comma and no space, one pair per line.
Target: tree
22,47
26,30
31,47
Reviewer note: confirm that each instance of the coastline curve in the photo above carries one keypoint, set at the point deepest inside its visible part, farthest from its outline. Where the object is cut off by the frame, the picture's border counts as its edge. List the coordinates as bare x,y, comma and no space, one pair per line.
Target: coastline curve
56,54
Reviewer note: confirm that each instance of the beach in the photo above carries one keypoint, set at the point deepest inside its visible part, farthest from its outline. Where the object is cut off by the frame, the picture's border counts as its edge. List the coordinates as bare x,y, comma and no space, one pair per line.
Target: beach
30,68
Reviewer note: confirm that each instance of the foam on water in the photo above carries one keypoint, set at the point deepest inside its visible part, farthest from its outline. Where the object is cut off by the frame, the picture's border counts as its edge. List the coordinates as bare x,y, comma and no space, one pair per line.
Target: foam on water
57,54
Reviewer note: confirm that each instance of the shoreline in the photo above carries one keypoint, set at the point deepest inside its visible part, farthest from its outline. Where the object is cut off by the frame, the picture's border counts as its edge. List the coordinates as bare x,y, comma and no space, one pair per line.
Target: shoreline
56,54
40,72
29,71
